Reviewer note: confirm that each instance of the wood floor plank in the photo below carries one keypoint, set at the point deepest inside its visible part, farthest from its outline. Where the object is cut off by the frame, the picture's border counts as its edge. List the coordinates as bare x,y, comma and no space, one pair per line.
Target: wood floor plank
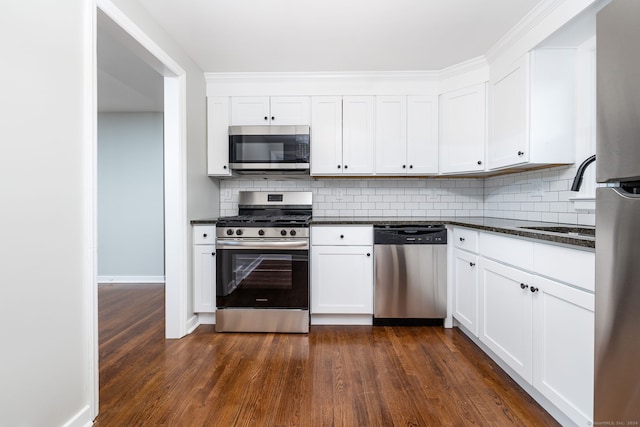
333,376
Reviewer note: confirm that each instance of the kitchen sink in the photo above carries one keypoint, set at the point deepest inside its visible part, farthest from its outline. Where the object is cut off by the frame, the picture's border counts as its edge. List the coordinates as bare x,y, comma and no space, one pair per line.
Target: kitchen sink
569,230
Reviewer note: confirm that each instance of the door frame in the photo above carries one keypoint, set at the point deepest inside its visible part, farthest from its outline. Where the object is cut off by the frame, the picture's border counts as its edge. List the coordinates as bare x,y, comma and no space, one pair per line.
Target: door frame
175,179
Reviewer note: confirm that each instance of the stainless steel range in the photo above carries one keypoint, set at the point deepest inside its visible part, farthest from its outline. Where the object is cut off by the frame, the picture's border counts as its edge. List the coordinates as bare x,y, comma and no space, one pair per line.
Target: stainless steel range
262,282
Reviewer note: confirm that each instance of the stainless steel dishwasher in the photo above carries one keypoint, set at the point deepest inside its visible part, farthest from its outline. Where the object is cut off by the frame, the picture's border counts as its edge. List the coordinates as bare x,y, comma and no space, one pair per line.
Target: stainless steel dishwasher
410,285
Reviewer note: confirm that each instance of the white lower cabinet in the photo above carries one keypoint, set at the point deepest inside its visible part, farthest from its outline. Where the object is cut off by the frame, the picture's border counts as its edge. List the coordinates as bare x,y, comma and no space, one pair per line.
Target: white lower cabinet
341,270
506,309
342,279
538,318
465,289
563,343
204,269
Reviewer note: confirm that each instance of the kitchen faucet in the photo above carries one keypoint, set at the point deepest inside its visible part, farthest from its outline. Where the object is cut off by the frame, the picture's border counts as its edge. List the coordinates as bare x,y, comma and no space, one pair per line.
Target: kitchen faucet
577,181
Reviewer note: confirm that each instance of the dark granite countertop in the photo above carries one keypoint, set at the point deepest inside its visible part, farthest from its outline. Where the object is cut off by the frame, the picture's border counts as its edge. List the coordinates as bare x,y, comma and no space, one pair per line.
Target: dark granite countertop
498,225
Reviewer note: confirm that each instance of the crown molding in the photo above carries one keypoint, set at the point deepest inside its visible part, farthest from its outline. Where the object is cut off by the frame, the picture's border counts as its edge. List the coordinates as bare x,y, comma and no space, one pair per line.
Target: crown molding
469,65
523,27
325,76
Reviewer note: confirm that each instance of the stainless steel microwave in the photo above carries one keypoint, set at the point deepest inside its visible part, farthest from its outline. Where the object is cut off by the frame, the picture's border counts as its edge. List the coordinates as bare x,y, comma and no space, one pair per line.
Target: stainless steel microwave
269,148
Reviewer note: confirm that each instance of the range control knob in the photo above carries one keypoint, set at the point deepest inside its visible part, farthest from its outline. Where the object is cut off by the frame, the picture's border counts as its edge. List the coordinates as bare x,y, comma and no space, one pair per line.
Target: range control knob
238,232
283,232
292,232
261,232
229,232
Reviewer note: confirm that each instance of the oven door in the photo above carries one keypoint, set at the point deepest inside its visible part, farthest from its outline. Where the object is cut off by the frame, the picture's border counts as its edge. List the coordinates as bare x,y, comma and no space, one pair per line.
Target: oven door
262,274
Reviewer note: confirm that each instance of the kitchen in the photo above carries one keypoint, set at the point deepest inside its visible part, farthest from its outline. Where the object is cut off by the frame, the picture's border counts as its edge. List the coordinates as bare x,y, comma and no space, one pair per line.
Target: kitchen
509,189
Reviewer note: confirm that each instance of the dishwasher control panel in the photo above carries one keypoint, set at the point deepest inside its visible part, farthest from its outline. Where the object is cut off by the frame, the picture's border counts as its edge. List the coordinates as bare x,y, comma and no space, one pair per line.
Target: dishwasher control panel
410,235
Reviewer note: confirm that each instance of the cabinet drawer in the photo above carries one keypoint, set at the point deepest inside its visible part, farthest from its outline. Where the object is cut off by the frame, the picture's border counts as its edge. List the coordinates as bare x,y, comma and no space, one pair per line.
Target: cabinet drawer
204,234
338,236
573,266
508,250
466,239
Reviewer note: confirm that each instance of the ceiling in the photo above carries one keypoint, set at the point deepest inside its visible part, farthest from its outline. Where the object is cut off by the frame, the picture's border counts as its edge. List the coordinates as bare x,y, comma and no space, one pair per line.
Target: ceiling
126,83
335,35
301,35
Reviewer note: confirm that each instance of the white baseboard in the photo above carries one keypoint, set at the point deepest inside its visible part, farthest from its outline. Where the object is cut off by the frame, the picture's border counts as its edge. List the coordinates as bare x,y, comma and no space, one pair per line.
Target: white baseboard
206,318
341,319
81,419
130,279
192,323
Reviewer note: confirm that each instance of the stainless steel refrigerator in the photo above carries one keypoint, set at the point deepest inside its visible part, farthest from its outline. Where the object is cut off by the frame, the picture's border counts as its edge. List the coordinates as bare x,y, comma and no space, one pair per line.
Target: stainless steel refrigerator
617,329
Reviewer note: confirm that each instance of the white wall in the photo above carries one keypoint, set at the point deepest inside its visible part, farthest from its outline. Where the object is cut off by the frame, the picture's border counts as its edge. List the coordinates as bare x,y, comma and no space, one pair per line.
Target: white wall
130,197
44,361
202,192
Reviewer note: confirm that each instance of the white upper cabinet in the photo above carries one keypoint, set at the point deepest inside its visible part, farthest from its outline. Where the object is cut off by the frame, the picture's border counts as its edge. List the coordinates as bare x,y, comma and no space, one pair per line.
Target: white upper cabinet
274,110
406,135
326,135
533,110
218,136
358,135
463,129
391,135
342,135
422,135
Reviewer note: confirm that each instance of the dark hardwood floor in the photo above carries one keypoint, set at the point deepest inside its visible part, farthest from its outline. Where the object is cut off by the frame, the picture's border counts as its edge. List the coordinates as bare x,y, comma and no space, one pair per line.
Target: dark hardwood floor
334,376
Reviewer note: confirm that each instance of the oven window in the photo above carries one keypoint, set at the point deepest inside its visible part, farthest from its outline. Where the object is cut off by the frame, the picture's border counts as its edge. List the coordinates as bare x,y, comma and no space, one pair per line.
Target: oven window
269,149
262,278
273,271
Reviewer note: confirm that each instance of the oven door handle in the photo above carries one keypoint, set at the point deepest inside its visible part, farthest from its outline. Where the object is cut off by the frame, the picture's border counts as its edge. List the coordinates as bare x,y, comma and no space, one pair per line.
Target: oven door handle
243,244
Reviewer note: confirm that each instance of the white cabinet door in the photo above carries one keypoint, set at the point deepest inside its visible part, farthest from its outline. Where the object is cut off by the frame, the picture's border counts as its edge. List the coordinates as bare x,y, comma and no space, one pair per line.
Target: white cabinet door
563,332
276,110
358,130
465,290
463,130
250,110
505,309
326,135
533,110
391,135
422,135
509,100
341,280
218,136
204,278
290,110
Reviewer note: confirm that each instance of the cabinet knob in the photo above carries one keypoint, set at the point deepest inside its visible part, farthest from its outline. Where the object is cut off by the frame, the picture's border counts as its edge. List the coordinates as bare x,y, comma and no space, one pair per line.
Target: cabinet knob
523,286
224,167
273,117
472,264
462,239
204,235
410,166
479,162
368,254
266,118
213,254
520,153
342,236
339,166
404,166
533,289
345,166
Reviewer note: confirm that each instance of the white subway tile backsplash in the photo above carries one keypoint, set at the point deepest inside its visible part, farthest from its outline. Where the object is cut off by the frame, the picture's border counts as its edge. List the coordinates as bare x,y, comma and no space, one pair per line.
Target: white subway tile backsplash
507,196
